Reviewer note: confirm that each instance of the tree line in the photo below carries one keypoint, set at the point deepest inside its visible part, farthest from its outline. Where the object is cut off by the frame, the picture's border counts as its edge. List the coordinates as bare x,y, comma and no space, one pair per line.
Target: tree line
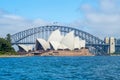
5,46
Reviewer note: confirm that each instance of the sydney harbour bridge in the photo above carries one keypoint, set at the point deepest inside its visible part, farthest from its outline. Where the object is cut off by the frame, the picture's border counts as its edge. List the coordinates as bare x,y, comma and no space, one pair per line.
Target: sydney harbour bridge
93,43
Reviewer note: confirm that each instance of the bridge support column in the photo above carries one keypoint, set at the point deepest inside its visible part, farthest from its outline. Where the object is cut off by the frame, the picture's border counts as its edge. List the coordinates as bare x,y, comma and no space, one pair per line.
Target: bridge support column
112,45
107,42
111,42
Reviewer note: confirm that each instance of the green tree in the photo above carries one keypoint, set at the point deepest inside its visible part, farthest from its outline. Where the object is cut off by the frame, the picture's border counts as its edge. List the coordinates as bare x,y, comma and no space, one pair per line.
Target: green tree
8,38
5,47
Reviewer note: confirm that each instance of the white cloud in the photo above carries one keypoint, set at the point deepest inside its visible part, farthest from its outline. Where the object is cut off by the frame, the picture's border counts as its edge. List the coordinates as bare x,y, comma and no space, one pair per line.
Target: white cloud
13,17
104,20
101,20
2,12
10,23
86,7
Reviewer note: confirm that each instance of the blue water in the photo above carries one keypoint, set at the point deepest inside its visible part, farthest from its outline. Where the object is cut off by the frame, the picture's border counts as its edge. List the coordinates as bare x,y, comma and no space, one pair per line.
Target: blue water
60,68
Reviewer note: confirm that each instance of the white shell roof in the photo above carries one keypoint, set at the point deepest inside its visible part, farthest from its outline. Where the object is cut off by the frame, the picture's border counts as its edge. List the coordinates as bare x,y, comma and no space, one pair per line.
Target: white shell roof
44,43
62,46
25,47
68,40
77,43
82,43
55,44
55,36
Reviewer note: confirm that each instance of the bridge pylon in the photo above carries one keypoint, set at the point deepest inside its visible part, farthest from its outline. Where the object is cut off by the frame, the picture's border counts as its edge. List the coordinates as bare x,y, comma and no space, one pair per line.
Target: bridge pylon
111,42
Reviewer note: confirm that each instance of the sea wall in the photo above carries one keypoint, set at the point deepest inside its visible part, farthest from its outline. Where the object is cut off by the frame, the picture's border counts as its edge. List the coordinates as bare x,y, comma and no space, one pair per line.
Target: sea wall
82,52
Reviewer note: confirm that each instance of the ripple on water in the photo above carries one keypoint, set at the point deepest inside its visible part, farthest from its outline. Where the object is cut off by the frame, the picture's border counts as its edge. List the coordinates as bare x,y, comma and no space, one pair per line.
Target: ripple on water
60,68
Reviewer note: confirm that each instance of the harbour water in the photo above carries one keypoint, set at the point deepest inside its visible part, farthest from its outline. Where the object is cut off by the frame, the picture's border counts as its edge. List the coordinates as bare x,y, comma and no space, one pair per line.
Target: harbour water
60,68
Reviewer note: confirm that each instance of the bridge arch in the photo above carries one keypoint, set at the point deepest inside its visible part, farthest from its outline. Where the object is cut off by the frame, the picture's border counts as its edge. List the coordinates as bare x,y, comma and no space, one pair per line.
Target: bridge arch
29,36
44,32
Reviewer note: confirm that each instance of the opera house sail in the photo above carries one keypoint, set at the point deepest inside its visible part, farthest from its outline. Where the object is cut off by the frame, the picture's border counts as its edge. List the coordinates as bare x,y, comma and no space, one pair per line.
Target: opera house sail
56,41
76,43
25,48
68,40
41,44
55,36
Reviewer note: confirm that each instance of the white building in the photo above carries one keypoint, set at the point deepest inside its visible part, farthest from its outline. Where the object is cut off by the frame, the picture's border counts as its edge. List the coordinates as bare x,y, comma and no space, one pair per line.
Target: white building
25,48
57,41
41,44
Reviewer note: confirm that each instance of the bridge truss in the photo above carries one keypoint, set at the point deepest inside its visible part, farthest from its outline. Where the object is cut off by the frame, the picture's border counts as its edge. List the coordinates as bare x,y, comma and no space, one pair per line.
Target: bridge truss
29,37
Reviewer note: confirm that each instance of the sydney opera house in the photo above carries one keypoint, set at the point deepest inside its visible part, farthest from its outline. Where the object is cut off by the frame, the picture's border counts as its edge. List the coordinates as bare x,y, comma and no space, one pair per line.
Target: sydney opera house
56,42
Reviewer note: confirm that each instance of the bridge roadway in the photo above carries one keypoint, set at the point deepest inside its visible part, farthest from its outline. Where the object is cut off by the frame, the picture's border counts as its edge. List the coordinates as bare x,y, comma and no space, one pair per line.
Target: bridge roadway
86,44
117,45
29,36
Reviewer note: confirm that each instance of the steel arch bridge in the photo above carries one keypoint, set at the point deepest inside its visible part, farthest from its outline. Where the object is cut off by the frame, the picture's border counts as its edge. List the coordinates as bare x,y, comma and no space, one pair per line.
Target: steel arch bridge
29,36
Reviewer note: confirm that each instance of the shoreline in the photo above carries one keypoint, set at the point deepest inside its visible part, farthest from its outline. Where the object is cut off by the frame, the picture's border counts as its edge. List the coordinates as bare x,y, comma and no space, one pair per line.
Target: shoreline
7,56
10,56
17,56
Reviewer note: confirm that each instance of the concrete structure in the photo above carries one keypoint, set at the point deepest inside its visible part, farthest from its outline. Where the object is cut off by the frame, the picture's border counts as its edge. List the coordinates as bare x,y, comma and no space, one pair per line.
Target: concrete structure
106,40
111,42
25,48
55,36
68,40
56,41
112,45
41,44
29,36
82,43
77,43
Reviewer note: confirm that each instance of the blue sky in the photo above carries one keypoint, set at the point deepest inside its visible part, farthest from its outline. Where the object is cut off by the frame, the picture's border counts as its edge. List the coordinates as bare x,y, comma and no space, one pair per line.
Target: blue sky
98,17
51,10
